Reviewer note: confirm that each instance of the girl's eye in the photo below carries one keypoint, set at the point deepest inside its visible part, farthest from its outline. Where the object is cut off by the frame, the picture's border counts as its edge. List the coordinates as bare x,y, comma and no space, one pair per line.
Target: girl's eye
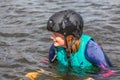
55,34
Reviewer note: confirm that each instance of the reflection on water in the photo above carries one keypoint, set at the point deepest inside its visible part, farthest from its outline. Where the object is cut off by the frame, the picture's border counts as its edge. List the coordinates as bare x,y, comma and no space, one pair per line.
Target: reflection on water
24,40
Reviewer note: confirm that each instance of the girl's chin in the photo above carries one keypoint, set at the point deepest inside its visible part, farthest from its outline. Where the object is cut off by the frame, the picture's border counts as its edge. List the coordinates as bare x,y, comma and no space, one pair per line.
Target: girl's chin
56,44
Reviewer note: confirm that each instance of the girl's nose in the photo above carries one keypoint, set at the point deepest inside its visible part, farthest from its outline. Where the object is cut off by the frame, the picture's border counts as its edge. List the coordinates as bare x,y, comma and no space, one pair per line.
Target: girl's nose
52,36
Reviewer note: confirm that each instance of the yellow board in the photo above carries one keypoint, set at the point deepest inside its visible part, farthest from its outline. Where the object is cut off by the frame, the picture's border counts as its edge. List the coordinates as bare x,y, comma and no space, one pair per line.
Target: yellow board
35,75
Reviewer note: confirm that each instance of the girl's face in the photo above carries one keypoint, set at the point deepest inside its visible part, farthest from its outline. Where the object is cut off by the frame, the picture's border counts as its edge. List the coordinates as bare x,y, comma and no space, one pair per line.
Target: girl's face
58,39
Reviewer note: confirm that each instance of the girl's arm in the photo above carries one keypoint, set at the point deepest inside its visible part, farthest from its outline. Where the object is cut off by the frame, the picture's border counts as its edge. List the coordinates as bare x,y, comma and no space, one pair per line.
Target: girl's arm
95,54
52,53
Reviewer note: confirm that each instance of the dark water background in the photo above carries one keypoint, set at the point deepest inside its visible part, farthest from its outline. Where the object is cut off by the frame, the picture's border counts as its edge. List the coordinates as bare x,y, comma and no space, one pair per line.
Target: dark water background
24,40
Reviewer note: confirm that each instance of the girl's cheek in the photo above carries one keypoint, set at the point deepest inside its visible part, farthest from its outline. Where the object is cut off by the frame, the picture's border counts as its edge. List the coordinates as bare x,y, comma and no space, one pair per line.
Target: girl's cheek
61,42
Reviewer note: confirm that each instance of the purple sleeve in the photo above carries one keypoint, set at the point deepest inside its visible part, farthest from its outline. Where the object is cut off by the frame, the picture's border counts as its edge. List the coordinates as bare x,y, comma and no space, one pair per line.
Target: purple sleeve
95,54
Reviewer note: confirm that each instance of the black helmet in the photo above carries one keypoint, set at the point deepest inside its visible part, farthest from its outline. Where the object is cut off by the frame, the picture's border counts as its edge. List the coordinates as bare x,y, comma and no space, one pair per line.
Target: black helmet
66,22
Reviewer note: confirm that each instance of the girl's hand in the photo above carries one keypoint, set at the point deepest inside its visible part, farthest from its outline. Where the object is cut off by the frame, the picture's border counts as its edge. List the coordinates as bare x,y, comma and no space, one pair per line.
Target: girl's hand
109,73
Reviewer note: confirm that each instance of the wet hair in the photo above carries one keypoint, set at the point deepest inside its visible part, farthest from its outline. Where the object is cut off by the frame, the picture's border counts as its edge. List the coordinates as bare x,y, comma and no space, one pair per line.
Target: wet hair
73,44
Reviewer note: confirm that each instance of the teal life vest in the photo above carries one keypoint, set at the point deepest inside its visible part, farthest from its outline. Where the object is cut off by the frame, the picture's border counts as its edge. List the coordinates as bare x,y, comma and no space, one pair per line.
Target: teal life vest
78,61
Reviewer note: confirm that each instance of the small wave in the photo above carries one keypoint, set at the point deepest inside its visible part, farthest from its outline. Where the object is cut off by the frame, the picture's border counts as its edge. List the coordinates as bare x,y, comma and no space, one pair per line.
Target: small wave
13,34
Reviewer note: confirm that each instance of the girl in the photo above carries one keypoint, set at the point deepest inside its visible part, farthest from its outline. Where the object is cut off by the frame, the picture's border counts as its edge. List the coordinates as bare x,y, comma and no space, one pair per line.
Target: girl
74,51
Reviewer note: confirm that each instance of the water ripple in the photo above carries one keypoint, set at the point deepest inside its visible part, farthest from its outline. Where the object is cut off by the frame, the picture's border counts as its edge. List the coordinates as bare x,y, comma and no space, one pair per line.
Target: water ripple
24,40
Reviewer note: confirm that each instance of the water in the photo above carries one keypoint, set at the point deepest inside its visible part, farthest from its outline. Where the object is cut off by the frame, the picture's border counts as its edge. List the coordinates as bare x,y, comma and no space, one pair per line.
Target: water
24,40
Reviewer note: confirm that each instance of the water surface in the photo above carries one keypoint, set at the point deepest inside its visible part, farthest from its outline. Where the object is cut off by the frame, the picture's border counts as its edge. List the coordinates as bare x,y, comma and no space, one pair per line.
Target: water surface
24,40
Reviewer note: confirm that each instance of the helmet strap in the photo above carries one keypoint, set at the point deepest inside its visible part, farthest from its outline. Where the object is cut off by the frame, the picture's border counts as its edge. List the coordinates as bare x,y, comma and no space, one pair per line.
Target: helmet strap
68,56
66,43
